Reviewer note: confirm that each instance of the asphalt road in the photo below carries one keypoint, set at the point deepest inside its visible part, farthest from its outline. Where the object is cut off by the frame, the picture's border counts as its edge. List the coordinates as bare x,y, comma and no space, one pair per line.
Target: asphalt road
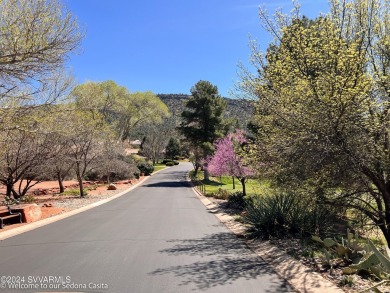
157,238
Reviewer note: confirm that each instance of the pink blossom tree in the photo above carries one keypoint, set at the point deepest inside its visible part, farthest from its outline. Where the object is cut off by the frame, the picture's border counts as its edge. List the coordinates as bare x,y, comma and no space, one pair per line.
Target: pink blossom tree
227,159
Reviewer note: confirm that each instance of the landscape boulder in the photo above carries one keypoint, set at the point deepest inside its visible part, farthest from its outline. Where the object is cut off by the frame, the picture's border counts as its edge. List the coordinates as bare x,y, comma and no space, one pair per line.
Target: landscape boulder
30,212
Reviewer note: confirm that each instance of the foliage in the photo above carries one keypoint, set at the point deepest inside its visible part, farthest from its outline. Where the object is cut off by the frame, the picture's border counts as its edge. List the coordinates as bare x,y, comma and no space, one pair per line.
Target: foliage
323,102
27,198
286,214
220,194
236,109
237,200
25,152
173,148
75,192
145,168
155,138
227,159
10,201
357,257
36,40
120,108
202,120
170,164
112,163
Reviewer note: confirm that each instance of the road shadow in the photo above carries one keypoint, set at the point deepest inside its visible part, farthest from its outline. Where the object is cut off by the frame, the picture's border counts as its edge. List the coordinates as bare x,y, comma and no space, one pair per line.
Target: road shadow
227,259
168,184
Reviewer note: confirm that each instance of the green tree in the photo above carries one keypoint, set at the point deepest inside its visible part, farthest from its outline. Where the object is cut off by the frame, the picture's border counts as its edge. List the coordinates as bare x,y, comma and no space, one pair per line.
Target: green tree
173,148
123,110
36,39
202,120
322,114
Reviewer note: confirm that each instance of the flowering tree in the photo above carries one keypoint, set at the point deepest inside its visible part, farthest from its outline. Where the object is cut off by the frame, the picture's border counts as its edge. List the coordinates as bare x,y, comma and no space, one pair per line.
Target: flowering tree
227,159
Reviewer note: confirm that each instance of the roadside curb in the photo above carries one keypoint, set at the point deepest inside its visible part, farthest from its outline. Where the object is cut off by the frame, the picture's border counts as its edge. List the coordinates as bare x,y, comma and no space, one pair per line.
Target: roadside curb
32,226
302,278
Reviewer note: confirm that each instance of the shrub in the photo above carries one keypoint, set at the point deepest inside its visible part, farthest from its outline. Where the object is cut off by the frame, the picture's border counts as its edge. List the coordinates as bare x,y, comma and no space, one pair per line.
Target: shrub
165,161
92,175
72,192
10,201
27,199
286,214
236,200
176,162
170,164
146,168
136,175
221,194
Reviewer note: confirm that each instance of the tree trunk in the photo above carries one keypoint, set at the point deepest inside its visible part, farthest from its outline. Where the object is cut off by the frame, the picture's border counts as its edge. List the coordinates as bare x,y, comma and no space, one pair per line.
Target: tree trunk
206,175
80,180
60,183
234,183
196,170
9,188
243,186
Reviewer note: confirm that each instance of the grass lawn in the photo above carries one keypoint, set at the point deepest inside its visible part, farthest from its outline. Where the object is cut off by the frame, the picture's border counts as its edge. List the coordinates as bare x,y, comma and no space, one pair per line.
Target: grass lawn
159,167
253,186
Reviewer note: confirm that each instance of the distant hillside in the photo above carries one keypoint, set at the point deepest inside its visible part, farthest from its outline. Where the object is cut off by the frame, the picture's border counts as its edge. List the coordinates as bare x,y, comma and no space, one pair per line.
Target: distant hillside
236,109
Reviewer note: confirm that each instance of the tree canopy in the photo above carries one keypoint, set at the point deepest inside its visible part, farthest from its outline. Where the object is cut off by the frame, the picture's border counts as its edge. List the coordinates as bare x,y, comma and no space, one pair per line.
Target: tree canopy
121,108
36,39
323,106
202,119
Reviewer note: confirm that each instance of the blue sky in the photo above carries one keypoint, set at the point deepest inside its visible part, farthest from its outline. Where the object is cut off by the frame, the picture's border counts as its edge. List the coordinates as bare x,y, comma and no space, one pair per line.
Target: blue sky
168,46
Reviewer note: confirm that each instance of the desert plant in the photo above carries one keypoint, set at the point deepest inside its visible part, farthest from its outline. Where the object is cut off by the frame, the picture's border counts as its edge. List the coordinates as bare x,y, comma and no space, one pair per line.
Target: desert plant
357,257
170,164
27,198
10,201
286,214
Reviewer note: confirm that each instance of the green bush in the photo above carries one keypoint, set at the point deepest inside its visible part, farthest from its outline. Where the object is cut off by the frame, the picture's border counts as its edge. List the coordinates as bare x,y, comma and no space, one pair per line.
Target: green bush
176,162
165,161
170,164
237,200
72,192
146,168
136,175
287,214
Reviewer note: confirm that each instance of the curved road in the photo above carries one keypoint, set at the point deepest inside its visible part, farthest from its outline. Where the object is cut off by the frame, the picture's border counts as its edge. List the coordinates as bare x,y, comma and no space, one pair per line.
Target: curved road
157,238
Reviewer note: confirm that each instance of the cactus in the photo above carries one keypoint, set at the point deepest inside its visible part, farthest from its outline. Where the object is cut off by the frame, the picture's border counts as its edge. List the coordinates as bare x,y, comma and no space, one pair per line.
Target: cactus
384,261
368,261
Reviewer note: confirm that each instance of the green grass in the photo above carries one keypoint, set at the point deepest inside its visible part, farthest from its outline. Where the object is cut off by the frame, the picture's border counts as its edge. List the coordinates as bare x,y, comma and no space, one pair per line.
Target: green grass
76,191
159,167
253,186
